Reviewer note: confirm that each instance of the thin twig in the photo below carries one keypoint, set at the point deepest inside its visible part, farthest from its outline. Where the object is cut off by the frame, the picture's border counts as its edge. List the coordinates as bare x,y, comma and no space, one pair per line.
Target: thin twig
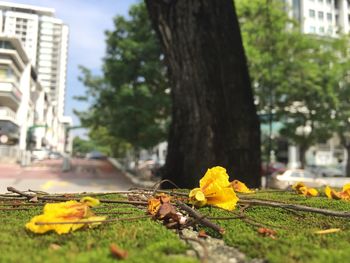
38,192
49,198
304,208
158,184
224,217
13,208
23,204
93,221
115,213
202,221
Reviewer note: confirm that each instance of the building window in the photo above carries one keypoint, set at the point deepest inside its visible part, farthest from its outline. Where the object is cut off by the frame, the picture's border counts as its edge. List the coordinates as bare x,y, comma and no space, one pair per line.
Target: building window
321,29
329,16
320,15
330,31
329,2
320,1
312,29
311,13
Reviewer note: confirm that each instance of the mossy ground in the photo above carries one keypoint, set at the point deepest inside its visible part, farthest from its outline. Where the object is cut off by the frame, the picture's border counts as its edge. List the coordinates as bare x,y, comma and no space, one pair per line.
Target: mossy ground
149,241
145,240
296,240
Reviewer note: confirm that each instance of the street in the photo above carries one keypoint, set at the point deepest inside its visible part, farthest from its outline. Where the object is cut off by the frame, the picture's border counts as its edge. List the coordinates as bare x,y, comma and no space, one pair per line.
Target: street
84,176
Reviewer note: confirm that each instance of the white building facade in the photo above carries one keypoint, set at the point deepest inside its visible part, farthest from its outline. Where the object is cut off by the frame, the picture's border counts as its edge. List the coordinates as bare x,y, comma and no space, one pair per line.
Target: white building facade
327,18
321,17
45,40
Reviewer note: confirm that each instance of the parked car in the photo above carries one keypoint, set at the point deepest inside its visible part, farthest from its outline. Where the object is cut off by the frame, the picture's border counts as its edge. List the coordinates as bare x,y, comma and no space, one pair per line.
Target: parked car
40,154
55,155
96,155
329,172
284,179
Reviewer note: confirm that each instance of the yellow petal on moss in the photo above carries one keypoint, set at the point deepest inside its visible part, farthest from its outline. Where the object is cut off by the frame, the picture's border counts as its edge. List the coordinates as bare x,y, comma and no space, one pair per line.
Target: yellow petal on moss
153,205
331,194
215,189
301,188
240,187
197,197
308,191
226,199
64,212
297,186
327,231
214,177
90,201
346,187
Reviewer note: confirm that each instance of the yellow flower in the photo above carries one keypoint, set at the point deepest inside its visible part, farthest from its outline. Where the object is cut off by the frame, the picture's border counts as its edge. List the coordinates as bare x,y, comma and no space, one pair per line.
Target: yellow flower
241,187
301,188
214,189
344,194
70,211
153,205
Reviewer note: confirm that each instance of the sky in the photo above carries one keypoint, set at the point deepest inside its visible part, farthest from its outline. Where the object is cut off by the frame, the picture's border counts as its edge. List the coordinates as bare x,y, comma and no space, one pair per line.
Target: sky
87,21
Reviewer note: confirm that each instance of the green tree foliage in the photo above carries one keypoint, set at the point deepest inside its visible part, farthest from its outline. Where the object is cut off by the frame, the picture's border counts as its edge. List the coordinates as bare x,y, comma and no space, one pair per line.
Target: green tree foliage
131,99
291,71
340,115
81,146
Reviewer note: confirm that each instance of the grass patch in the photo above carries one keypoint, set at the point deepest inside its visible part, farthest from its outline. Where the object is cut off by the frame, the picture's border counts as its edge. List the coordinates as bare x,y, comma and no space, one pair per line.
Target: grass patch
296,240
149,241
145,240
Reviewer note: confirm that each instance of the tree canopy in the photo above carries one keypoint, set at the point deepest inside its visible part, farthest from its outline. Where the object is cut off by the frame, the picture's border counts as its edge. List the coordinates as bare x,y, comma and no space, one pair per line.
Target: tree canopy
131,99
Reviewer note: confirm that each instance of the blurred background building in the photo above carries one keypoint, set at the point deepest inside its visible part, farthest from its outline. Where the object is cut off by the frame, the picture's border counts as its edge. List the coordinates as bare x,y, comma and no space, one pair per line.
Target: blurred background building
33,65
322,17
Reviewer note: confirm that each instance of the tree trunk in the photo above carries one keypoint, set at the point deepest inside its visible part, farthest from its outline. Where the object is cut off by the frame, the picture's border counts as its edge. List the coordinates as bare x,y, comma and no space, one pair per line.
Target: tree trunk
214,120
347,171
302,152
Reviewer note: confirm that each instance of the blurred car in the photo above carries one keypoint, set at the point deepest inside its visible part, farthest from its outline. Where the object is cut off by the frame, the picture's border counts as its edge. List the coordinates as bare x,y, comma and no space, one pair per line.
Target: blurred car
55,155
96,155
329,172
40,154
286,178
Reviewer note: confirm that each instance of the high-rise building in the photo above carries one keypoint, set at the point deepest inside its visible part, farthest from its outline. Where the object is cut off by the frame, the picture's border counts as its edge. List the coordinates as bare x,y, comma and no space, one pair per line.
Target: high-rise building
321,17
45,40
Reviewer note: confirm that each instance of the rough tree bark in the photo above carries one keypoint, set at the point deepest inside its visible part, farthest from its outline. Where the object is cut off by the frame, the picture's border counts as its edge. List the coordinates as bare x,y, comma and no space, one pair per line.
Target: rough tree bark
214,120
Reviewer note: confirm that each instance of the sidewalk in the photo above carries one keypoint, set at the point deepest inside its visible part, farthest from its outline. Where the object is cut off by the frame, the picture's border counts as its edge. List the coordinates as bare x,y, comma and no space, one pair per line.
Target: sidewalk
85,176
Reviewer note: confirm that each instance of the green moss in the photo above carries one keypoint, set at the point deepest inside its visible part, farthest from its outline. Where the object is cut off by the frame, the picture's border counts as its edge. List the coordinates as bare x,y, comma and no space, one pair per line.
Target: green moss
149,241
295,240
145,240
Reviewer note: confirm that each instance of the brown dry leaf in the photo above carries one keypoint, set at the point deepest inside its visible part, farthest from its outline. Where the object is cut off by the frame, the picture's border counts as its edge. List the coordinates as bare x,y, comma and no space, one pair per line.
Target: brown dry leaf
164,198
327,231
166,210
266,232
202,234
54,246
118,252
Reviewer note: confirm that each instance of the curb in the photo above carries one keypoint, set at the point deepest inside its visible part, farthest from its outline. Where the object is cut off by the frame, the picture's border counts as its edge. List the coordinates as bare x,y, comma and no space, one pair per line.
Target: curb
130,176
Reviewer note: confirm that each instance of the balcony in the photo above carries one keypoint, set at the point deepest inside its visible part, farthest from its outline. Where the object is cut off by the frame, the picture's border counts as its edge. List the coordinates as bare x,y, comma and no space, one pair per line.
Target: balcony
10,95
6,114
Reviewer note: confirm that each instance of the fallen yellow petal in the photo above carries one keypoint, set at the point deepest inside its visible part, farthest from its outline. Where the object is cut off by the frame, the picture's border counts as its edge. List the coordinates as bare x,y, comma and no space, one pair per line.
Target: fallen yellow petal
298,185
240,187
90,201
70,211
328,231
215,189
331,194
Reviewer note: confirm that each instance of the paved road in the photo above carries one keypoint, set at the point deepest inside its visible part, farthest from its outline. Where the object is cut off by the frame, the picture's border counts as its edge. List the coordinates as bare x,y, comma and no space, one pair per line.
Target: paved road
85,176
